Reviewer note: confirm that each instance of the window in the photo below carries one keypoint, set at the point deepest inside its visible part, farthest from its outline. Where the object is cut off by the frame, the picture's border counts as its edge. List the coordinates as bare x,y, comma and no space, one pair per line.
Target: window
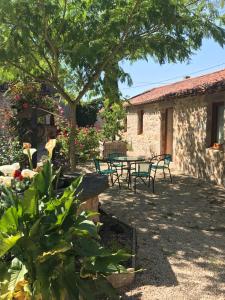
217,135
140,121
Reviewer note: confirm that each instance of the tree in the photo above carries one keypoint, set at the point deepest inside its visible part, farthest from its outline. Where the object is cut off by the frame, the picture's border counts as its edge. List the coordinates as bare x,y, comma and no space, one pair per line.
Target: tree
74,45
113,116
87,112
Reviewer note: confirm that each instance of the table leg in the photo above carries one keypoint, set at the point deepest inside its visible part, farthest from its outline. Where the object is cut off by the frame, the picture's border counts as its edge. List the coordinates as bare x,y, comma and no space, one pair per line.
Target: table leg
129,174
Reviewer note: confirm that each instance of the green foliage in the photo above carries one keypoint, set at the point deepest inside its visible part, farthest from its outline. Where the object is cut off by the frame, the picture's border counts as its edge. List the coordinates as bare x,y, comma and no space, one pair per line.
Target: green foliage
72,45
48,251
76,46
86,143
11,150
113,116
87,113
30,94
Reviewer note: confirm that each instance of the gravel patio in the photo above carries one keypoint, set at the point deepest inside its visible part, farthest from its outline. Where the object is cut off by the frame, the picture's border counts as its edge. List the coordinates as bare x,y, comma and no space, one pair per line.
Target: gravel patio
180,237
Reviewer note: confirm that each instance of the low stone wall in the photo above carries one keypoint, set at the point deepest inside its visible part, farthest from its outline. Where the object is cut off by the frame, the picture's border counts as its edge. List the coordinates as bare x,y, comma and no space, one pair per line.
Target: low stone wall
87,192
90,205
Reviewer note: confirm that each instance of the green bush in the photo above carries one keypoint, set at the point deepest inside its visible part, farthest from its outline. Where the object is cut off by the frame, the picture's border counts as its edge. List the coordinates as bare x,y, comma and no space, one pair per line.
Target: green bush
48,251
11,150
113,116
86,143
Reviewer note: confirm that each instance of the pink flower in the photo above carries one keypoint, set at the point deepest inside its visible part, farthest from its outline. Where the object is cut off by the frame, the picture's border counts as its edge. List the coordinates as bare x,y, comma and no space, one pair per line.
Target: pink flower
17,97
61,110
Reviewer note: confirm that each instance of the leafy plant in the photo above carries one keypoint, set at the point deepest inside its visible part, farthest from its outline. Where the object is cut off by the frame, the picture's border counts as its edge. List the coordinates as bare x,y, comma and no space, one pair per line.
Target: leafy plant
11,150
48,251
87,112
86,143
113,116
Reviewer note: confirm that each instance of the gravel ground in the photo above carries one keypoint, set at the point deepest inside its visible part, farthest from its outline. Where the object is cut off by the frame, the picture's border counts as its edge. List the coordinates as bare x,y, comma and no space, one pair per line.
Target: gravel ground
180,238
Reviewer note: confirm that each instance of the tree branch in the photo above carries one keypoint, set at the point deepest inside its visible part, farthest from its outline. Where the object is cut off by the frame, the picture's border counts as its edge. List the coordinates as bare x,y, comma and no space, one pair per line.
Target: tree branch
114,50
42,54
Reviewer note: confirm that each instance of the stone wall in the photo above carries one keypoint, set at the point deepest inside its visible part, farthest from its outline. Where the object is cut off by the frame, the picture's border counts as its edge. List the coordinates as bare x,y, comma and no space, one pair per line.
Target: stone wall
191,134
147,142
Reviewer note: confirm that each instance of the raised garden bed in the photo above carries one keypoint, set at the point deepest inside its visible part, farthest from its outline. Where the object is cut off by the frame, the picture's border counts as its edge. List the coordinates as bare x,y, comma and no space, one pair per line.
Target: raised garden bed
117,235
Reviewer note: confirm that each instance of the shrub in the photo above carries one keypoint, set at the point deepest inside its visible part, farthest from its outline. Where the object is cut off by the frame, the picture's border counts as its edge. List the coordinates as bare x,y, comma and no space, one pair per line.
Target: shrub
11,150
86,143
113,116
48,251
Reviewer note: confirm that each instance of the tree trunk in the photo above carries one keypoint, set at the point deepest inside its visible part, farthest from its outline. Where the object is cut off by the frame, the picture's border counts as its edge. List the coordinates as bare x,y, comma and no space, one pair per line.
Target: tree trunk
72,136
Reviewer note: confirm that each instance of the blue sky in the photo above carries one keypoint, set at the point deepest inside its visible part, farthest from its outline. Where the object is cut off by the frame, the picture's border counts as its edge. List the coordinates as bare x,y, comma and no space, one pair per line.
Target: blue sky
147,75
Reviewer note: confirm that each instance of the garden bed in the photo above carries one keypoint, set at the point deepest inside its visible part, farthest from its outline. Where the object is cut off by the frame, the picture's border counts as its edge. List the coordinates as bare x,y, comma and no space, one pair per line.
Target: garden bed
117,235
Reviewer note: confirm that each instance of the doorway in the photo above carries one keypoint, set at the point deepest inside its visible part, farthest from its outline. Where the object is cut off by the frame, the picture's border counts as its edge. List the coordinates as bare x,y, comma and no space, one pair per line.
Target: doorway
167,132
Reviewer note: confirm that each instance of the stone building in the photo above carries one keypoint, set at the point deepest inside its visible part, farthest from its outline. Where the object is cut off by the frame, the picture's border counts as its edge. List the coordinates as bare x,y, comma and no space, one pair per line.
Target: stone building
185,119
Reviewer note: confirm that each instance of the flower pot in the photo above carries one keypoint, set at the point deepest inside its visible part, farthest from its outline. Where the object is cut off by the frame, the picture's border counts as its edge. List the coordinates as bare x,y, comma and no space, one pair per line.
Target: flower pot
217,146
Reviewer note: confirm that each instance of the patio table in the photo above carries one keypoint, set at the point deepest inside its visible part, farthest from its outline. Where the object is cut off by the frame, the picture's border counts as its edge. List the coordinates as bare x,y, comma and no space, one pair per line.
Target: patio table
129,160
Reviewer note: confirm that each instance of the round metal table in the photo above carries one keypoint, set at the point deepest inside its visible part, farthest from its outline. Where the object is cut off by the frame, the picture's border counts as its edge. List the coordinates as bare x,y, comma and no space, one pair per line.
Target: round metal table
129,160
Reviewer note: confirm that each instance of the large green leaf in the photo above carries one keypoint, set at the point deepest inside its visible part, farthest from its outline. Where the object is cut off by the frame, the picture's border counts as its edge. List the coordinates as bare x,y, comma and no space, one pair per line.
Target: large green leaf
43,180
66,207
106,264
89,248
30,201
17,272
9,221
54,251
6,243
71,190
86,228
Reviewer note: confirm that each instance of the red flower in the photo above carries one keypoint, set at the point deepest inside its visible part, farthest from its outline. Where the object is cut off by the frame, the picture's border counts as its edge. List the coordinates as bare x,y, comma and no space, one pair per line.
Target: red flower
17,173
25,105
20,178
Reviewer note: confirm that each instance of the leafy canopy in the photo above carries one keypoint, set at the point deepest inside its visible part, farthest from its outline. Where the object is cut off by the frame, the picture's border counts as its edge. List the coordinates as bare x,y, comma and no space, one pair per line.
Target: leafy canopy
72,45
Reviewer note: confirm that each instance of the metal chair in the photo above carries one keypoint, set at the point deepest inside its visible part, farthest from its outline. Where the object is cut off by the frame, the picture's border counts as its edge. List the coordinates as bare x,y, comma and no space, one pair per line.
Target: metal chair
161,162
110,171
143,172
121,165
111,157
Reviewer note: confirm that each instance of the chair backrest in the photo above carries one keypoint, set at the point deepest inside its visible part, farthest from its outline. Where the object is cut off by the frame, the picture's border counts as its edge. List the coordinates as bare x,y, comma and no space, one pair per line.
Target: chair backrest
97,165
167,159
115,154
144,166
162,159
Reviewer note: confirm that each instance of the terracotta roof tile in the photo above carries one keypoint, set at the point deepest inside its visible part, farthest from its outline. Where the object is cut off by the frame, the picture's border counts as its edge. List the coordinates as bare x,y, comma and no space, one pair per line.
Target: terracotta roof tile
192,86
